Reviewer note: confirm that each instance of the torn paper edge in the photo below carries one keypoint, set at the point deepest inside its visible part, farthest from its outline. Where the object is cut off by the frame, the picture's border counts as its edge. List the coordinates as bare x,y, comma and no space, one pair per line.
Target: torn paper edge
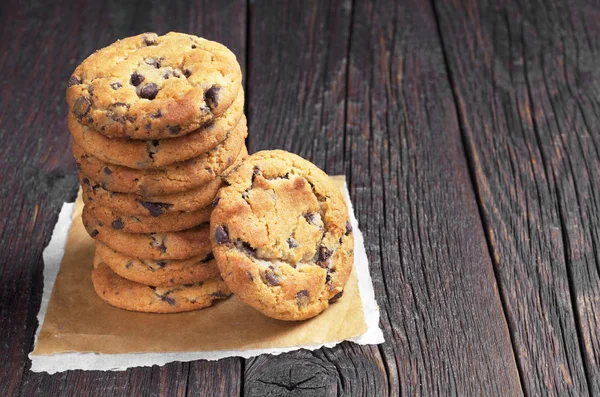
119,362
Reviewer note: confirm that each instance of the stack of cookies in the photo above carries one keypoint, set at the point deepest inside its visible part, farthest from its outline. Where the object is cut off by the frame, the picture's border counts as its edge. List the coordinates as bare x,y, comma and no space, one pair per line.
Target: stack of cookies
157,122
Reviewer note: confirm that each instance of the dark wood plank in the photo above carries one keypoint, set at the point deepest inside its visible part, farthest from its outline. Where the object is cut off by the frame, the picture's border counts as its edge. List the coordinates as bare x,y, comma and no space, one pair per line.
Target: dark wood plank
526,81
382,112
203,382
41,44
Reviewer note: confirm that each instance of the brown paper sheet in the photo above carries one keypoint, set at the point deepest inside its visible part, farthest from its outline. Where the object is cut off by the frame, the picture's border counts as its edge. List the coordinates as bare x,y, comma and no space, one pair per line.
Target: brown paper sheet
78,321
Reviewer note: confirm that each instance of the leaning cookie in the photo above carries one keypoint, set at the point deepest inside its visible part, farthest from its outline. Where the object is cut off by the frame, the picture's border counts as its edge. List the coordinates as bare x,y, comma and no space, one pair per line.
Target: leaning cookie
171,222
143,154
281,236
154,87
171,178
156,246
129,295
159,273
155,205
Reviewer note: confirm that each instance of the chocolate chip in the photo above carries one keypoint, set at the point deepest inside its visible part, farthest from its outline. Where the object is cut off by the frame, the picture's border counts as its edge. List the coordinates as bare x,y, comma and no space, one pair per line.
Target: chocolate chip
94,233
221,235
85,181
247,248
187,72
292,243
82,106
271,278
117,224
78,165
174,129
118,112
149,40
215,202
322,256
208,258
193,46
211,96
219,295
310,218
168,299
348,228
255,172
156,115
161,264
324,253
156,142
155,209
73,80
148,126
153,62
302,298
155,244
136,79
336,297
149,91
107,171
129,265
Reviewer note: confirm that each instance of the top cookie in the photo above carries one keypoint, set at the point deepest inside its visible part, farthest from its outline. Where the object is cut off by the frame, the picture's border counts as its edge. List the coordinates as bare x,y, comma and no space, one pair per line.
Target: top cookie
281,236
154,87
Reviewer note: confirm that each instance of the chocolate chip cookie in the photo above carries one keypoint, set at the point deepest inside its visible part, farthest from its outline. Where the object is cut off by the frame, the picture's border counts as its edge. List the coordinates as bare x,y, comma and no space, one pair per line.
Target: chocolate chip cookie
142,154
171,222
190,200
184,244
160,273
154,87
281,236
129,295
168,179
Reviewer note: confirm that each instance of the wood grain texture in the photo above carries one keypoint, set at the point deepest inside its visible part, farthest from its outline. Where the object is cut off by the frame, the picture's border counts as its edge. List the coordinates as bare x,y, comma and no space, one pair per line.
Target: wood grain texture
526,81
381,111
41,44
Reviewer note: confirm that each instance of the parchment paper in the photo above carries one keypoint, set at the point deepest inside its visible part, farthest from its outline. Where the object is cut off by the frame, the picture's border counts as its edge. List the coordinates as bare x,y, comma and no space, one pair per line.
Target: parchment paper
80,331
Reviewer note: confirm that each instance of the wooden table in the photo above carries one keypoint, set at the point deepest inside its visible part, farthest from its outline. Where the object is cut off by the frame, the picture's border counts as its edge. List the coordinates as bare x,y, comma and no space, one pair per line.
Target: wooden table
470,135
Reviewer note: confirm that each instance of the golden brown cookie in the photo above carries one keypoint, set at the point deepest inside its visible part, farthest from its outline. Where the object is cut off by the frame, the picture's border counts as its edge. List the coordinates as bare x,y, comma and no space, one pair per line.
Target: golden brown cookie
154,87
161,273
281,236
168,179
171,222
143,154
133,204
184,244
129,295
